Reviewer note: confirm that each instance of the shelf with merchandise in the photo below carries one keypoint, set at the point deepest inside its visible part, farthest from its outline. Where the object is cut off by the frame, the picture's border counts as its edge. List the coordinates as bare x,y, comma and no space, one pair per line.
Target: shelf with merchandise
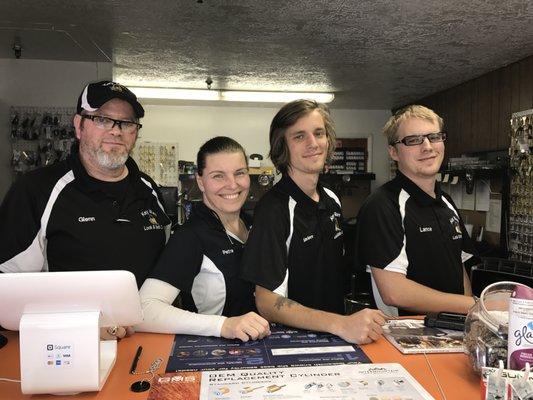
40,136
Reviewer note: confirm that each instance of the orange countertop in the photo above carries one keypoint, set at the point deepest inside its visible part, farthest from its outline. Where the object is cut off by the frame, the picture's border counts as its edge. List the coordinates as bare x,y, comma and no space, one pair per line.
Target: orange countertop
453,371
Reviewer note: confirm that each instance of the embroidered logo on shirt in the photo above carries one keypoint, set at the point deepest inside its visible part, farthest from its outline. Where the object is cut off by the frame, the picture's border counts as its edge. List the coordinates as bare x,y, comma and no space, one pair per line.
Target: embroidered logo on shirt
229,251
307,238
86,219
425,229
454,221
335,219
150,217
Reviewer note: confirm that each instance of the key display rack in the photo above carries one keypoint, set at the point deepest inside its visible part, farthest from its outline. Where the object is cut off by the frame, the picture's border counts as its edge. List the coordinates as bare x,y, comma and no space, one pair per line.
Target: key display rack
521,193
40,136
350,156
158,160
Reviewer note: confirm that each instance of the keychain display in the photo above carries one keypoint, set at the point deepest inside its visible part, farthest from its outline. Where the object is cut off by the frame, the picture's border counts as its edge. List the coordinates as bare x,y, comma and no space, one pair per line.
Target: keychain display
158,160
40,136
144,384
521,164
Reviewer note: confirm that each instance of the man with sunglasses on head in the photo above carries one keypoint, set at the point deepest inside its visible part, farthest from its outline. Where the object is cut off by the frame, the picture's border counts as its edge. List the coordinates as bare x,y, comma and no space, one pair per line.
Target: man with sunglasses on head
94,210
410,236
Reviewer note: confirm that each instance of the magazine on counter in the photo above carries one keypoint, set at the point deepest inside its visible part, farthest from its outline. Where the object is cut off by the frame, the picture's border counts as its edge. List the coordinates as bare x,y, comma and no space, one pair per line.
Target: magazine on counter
410,336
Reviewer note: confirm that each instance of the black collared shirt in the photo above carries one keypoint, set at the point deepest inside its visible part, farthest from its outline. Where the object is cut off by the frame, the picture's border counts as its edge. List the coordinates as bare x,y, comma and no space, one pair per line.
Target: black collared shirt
402,229
202,259
298,241
58,218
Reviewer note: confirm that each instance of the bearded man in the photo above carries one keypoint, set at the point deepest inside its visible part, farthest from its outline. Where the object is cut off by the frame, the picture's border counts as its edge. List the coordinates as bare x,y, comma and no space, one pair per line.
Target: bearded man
93,211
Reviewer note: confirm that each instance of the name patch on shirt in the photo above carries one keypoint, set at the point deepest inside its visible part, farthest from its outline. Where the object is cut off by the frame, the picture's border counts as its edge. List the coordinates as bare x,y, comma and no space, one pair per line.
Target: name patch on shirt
425,228
229,251
86,219
307,238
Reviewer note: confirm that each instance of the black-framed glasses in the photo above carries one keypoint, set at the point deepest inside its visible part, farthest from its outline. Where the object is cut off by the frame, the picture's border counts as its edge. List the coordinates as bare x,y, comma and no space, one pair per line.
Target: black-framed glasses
415,140
109,123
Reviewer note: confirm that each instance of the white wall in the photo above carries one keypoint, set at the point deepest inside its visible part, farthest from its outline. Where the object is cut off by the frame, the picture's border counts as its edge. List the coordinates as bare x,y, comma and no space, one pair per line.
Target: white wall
367,123
39,83
191,126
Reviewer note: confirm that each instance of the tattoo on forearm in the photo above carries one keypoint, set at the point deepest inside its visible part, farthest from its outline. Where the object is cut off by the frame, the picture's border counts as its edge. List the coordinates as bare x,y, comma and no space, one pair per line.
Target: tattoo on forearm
283,301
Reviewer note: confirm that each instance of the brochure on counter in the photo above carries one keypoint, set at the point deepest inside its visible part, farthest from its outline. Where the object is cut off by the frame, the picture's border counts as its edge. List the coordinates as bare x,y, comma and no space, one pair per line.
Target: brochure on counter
410,336
284,347
340,382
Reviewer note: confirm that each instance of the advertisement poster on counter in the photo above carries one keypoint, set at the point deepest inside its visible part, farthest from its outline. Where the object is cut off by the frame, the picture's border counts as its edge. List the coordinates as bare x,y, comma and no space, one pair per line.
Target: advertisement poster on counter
340,382
284,347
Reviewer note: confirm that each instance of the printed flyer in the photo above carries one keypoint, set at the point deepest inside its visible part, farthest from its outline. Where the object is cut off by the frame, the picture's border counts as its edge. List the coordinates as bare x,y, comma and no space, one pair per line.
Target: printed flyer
284,347
340,382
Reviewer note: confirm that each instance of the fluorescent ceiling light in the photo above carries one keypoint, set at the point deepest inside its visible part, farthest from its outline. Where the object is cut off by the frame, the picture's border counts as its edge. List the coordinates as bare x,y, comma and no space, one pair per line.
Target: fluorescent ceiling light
175,94
274,97
228,95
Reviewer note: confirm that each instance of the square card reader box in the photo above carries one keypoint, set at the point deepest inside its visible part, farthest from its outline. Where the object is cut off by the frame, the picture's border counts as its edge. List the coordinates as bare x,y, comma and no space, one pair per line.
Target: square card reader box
59,316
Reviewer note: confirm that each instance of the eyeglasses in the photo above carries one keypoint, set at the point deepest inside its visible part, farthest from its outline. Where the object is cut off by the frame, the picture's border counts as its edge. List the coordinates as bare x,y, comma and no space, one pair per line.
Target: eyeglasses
415,140
109,123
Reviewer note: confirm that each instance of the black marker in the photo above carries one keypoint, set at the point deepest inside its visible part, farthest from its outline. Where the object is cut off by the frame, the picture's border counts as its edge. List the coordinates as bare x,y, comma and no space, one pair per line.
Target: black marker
136,359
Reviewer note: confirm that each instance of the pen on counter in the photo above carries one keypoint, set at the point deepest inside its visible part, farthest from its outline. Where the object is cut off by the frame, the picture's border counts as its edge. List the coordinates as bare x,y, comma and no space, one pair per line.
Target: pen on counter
136,359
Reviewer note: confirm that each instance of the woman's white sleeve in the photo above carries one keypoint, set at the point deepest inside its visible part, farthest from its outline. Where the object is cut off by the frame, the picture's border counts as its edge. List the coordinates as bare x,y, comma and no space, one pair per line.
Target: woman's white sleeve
161,316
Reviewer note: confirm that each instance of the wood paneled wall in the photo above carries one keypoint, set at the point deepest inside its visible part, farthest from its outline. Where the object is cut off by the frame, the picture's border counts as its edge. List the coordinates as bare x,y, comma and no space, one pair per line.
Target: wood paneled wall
477,113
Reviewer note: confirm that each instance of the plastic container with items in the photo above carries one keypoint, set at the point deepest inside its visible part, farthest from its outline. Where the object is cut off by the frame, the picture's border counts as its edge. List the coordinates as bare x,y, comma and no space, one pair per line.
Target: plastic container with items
487,326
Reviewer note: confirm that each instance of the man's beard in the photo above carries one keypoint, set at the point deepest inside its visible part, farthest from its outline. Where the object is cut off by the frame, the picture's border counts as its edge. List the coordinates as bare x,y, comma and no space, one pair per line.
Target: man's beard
111,160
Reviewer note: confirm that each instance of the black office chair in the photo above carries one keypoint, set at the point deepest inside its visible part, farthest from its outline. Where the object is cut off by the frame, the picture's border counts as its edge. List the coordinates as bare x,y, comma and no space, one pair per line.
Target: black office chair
360,292
361,295
494,269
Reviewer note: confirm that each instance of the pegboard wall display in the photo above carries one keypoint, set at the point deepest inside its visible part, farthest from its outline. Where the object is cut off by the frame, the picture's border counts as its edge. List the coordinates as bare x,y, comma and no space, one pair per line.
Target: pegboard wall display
521,194
159,161
40,136
351,156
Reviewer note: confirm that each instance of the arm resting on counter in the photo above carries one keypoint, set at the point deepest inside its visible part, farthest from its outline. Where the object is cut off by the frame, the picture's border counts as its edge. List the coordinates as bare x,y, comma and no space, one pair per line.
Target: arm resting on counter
161,316
361,327
399,291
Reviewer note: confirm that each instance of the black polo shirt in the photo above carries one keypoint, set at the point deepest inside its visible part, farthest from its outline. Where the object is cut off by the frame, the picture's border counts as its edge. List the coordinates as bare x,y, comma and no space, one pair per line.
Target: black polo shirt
401,228
295,246
202,259
58,218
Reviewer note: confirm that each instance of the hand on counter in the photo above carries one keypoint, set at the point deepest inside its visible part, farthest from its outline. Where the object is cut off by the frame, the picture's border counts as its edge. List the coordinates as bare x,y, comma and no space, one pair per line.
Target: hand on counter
116,332
361,327
245,327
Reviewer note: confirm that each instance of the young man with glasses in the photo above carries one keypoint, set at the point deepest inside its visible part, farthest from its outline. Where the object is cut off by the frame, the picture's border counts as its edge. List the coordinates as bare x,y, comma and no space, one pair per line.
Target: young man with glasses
94,210
410,235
